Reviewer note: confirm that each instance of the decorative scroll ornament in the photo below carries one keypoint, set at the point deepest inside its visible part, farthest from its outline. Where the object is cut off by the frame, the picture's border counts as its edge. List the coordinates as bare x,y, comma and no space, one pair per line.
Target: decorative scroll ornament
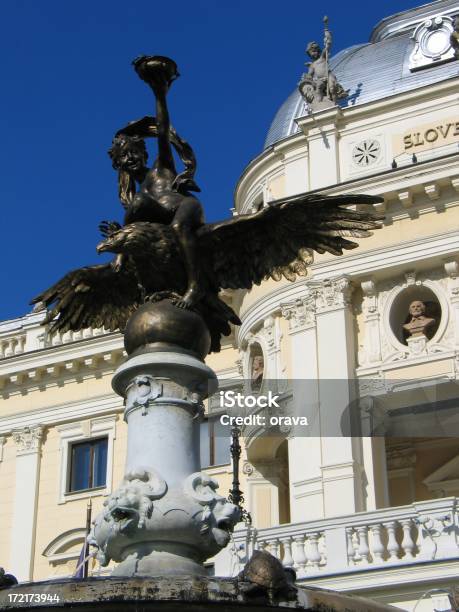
436,41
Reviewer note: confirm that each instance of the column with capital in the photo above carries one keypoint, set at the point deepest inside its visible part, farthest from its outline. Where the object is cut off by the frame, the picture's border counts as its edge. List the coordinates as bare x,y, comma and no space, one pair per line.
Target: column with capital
28,444
342,463
305,483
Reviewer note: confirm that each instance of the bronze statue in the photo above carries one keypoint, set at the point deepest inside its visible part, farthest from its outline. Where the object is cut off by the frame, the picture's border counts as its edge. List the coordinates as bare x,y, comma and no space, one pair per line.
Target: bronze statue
319,86
454,37
419,324
165,251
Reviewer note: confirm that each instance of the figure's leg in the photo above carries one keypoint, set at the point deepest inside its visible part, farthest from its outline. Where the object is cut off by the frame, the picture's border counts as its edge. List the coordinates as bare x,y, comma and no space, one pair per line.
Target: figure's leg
332,87
187,219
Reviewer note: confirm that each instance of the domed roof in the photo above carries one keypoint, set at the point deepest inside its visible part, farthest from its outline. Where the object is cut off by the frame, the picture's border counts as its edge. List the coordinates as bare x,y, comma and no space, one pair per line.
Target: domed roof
376,70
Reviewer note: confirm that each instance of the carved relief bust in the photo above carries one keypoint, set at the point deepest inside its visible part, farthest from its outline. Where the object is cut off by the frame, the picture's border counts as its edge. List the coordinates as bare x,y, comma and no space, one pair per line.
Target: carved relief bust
258,364
419,324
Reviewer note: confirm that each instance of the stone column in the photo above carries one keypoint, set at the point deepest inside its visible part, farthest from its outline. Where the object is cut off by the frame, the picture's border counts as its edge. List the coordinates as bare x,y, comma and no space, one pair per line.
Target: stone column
304,454
28,444
341,454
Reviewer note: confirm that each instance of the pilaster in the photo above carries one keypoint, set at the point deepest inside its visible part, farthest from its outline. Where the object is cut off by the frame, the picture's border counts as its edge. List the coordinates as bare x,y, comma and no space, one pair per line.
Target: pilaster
341,466
28,442
304,453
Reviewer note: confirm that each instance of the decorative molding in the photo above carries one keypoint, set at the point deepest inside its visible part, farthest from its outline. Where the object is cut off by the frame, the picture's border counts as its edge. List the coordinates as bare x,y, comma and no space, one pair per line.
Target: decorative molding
28,439
2,444
432,42
333,294
300,314
57,549
401,457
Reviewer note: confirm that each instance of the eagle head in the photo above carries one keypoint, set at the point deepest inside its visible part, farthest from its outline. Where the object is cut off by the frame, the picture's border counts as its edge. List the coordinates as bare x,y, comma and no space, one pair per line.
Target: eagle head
114,243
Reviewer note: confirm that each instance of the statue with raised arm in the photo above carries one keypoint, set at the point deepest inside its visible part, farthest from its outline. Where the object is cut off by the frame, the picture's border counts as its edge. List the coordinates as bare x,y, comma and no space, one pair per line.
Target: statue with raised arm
319,86
164,252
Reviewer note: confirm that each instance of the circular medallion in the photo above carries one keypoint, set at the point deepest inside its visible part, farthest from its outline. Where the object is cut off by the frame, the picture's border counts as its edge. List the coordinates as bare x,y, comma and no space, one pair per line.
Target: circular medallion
366,152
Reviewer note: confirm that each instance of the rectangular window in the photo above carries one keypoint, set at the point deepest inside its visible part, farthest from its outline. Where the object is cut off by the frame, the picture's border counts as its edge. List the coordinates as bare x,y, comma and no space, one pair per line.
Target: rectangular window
215,444
88,467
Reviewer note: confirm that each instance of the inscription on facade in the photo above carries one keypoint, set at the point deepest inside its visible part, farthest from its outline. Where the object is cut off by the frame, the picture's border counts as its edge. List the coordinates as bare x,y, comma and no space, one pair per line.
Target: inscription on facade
427,136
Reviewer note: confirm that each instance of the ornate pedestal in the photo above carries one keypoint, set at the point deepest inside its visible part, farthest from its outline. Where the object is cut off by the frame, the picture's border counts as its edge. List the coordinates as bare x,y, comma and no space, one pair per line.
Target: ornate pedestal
166,517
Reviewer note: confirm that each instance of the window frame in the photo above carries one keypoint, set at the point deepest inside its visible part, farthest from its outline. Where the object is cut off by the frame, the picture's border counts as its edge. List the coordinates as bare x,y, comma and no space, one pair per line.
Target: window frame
91,442
209,419
84,431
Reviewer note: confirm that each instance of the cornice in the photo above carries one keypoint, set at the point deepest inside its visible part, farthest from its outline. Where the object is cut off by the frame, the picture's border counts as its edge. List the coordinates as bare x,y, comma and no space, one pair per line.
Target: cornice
63,413
404,103
61,364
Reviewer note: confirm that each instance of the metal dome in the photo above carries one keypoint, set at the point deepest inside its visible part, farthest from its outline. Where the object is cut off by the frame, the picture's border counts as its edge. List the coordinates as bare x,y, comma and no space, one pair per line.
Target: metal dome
375,70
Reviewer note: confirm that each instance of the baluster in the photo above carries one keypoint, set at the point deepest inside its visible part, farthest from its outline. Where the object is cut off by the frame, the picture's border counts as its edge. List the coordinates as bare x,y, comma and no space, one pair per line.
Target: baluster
67,337
287,559
313,554
378,546
363,550
264,545
19,348
299,556
275,548
323,549
392,544
9,348
2,349
407,543
350,545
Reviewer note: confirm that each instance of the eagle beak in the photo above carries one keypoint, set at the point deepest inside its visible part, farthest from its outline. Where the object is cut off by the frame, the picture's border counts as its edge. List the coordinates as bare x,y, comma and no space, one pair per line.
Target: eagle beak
100,248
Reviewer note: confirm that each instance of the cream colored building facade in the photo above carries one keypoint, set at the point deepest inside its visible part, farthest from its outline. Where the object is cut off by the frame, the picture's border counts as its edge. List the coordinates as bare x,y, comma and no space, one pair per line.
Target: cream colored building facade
376,516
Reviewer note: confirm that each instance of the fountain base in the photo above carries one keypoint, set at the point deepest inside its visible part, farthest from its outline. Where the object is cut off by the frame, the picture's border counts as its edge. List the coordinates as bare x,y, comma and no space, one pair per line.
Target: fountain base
175,594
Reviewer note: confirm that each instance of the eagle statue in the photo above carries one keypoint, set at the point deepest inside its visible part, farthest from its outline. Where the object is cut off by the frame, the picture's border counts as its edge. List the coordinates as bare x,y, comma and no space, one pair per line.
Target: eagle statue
165,250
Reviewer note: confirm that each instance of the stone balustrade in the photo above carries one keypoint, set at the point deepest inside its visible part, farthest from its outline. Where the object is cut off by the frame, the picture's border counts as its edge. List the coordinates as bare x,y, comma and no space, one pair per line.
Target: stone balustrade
27,334
12,345
70,336
423,531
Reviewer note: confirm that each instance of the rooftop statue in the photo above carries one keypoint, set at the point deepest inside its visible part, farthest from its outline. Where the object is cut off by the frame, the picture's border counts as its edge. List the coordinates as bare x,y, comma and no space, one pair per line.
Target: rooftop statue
164,251
318,85
454,37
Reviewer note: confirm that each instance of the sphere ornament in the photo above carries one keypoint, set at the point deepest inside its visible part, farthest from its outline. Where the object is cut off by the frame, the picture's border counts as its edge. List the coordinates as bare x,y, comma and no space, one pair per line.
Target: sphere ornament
161,326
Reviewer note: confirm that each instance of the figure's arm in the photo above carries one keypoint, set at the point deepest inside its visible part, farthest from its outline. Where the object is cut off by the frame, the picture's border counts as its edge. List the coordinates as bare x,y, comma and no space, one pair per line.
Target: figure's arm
165,158
327,43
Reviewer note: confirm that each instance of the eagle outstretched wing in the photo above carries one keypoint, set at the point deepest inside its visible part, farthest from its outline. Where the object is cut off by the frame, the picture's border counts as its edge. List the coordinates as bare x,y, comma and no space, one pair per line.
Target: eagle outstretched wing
279,240
95,296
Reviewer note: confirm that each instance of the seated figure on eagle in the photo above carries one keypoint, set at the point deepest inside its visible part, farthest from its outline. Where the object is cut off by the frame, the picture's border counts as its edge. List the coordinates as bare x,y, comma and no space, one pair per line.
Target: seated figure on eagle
165,250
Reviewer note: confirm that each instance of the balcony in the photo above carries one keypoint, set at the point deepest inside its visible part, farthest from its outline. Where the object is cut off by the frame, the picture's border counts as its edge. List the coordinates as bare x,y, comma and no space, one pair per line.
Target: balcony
364,550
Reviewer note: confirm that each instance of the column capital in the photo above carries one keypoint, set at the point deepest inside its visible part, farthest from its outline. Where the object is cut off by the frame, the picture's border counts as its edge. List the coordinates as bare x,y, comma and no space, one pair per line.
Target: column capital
300,314
28,439
333,294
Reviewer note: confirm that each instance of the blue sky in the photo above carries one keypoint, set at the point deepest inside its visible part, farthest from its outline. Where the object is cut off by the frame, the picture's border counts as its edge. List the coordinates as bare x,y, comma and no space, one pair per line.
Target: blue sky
67,86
